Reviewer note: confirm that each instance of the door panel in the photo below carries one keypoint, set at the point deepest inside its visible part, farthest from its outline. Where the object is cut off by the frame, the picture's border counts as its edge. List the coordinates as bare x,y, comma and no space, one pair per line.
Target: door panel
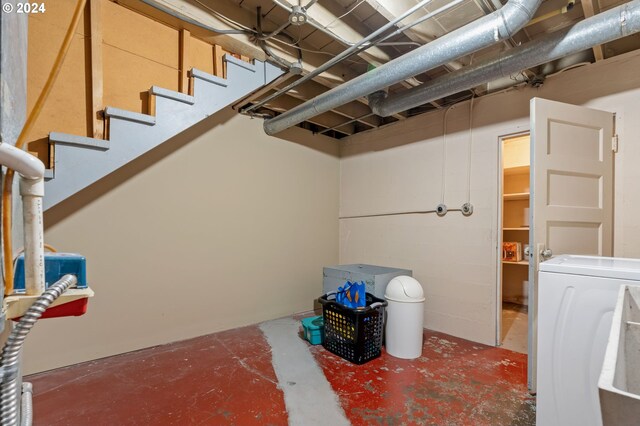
573,189
576,238
571,203
567,140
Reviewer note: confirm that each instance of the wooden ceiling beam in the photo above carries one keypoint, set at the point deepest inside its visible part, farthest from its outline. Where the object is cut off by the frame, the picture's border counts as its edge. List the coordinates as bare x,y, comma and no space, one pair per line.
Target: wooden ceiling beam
327,14
236,43
422,33
171,12
591,8
282,80
351,110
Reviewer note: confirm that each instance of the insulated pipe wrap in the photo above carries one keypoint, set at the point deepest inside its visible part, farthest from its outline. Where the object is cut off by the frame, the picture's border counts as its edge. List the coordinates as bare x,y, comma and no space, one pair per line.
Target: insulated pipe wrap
602,28
463,41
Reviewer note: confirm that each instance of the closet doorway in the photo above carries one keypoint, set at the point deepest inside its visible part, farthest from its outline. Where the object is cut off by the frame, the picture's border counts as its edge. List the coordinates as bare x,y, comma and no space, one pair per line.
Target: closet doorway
514,271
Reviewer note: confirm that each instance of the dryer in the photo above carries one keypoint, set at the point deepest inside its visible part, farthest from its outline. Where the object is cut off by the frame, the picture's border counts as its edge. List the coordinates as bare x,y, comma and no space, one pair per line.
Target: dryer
576,299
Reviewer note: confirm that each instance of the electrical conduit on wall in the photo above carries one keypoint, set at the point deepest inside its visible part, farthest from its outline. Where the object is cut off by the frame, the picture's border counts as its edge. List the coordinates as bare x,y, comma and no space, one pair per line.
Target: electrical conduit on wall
441,209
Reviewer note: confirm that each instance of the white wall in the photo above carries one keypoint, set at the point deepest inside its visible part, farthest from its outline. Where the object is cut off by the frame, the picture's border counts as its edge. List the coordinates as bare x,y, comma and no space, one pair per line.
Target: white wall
399,169
221,227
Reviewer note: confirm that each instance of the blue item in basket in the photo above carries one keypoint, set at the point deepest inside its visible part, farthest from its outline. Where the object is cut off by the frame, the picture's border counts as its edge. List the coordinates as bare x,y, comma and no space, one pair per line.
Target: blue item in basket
352,295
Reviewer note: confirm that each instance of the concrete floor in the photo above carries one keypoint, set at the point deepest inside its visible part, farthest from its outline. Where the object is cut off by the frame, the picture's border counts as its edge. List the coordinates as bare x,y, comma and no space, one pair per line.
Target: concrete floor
267,375
514,327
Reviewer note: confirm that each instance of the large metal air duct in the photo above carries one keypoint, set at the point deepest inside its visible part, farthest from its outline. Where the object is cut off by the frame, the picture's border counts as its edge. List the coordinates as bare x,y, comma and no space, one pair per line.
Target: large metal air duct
490,29
607,26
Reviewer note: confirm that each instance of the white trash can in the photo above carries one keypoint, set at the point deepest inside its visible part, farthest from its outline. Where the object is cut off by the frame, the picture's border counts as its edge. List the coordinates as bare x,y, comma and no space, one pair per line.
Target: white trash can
405,317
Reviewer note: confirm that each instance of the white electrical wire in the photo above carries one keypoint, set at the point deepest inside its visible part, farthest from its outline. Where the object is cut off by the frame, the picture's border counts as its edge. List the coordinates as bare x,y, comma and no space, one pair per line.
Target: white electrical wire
570,67
444,152
326,27
224,18
470,148
273,39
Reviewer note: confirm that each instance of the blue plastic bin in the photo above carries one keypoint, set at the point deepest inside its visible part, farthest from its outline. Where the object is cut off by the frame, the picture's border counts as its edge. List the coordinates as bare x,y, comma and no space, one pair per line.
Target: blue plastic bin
313,329
56,265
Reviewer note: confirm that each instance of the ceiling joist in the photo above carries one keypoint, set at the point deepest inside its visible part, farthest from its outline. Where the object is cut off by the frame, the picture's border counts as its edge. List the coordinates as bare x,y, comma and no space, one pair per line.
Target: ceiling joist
351,110
333,25
591,8
237,43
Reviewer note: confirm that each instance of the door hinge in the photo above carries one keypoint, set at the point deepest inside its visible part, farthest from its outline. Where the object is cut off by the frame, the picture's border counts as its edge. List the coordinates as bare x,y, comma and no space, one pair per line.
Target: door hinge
614,143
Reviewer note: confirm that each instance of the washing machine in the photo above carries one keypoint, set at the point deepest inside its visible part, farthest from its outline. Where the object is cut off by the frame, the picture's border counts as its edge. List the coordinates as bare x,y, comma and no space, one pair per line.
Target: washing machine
576,300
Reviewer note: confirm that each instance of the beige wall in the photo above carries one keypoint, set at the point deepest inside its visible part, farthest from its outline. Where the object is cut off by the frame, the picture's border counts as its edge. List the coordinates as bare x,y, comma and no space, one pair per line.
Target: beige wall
220,227
399,168
223,226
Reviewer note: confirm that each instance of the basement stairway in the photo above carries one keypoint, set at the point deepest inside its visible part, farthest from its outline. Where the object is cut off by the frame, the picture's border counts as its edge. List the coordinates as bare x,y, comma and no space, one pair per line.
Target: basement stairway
80,161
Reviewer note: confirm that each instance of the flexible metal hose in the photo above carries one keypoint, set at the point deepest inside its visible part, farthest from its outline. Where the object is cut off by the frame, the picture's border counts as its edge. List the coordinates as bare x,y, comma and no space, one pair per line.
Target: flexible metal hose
11,352
26,414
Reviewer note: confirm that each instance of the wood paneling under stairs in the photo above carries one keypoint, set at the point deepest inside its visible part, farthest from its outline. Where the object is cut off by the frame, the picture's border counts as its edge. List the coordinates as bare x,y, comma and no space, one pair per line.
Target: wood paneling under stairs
115,57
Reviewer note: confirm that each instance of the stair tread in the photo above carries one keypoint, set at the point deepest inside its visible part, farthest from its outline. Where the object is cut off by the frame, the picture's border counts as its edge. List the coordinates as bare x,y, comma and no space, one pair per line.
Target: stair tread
129,115
171,94
239,62
202,75
82,141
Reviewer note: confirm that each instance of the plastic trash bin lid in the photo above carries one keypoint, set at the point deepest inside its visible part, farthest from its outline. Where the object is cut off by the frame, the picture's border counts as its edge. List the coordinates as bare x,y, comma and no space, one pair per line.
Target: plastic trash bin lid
404,289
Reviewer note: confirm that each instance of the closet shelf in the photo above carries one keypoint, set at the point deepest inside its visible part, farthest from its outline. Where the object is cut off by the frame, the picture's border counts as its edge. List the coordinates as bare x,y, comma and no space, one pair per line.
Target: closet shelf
516,170
522,228
516,196
522,262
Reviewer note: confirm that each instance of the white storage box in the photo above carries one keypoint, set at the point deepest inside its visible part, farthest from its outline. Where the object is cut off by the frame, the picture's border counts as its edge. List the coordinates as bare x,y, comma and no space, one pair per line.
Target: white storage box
376,278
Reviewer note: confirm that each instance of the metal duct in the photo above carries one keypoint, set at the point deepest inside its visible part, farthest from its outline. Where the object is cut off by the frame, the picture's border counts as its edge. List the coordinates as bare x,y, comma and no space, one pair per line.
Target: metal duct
490,29
359,46
602,28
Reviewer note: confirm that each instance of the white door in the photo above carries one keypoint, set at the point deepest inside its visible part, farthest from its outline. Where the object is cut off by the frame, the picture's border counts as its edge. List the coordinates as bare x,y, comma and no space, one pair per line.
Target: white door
571,203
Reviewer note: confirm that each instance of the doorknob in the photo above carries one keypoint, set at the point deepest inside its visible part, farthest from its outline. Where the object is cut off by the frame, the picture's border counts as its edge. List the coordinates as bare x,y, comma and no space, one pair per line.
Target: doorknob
546,254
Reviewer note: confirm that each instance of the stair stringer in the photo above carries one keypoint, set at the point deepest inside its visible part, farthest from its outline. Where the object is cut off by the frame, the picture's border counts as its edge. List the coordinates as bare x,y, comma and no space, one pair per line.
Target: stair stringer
81,161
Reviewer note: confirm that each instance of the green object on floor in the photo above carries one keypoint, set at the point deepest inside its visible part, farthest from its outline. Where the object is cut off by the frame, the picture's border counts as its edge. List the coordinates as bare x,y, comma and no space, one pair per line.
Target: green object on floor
313,329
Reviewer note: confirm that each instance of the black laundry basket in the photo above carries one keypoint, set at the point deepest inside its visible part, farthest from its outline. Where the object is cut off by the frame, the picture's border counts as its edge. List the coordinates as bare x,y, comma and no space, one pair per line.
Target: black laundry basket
353,334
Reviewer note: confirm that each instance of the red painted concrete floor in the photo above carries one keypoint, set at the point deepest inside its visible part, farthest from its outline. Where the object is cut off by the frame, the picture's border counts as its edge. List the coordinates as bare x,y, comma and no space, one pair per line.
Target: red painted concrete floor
227,378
